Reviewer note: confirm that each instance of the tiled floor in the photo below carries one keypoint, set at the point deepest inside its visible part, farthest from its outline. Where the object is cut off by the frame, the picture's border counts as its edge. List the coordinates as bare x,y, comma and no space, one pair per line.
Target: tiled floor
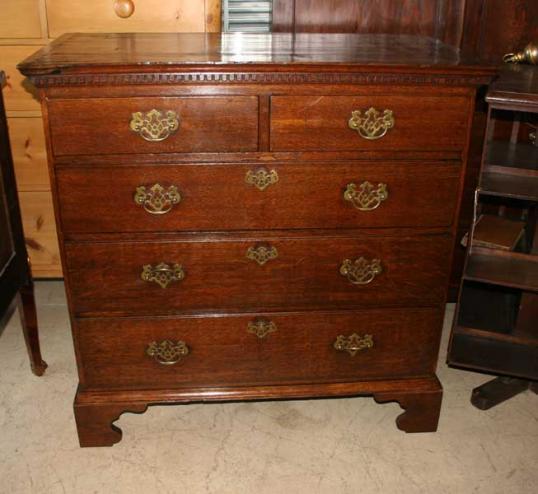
321,446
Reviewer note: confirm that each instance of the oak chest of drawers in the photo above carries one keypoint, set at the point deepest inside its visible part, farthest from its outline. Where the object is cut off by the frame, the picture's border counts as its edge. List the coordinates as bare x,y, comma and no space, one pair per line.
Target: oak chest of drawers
254,216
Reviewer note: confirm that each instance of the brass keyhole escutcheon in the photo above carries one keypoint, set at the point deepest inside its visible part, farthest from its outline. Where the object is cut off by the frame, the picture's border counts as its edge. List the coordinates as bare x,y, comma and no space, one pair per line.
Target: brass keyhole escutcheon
262,253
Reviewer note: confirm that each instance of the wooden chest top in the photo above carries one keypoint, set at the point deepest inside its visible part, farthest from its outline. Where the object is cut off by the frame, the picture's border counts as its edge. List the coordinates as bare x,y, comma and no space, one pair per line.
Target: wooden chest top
142,53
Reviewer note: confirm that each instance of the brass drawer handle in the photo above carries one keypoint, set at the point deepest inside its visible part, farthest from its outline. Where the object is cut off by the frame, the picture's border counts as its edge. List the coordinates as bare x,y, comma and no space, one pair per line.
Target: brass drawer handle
167,352
262,253
366,197
360,271
162,274
261,327
353,343
261,178
157,199
372,124
154,125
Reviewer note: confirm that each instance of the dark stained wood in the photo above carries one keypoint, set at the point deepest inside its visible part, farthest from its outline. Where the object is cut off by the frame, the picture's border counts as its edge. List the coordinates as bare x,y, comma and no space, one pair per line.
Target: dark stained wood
300,350
442,19
516,88
166,52
495,326
506,155
28,315
94,422
321,123
283,14
421,409
106,239
478,350
514,185
105,278
497,391
96,410
485,28
503,268
101,126
482,29
498,232
15,274
493,28
392,16
217,197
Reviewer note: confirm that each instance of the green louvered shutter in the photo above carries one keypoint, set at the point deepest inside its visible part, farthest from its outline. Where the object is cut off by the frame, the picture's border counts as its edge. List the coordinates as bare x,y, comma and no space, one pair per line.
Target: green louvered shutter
242,16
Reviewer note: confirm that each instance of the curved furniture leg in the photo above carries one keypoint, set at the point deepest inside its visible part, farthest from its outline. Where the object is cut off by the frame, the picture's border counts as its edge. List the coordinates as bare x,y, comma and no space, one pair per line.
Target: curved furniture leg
94,422
28,315
422,408
497,391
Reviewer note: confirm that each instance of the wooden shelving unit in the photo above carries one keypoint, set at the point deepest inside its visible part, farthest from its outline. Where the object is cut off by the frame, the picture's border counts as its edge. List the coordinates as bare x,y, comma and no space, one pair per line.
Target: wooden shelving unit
495,329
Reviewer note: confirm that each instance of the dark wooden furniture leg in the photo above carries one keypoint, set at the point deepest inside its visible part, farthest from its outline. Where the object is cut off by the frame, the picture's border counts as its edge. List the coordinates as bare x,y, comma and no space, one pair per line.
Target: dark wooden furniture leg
422,408
95,421
498,390
28,315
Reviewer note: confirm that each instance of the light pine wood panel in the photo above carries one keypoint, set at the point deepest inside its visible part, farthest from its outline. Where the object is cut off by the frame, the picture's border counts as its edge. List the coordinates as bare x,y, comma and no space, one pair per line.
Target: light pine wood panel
29,154
19,94
212,16
149,16
40,233
20,19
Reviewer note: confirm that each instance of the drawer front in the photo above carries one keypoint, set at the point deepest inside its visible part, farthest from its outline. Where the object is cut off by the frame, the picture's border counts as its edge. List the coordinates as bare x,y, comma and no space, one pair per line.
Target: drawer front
153,278
219,197
29,152
258,349
20,19
102,16
421,123
153,125
39,226
19,94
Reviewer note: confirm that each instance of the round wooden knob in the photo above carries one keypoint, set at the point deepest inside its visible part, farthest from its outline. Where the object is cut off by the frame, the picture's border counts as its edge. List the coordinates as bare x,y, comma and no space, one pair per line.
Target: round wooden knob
124,8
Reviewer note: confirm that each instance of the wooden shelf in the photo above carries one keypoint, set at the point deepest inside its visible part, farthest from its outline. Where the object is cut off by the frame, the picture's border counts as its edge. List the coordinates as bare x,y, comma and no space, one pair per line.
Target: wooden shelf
495,326
493,352
510,170
511,185
494,335
497,232
503,154
503,268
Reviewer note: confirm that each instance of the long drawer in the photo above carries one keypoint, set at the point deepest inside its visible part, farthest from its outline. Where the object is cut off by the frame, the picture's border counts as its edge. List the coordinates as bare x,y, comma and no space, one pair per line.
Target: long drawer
258,349
245,274
153,125
390,122
279,196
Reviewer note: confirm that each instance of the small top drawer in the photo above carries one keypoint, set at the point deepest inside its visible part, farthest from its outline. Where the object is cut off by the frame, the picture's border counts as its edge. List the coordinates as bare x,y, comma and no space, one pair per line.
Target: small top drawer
368,123
153,125
66,16
20,19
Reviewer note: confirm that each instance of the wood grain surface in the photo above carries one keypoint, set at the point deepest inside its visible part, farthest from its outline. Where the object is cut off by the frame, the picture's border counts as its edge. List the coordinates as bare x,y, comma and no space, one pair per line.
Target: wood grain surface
217,196
105,278
101,126
223,352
